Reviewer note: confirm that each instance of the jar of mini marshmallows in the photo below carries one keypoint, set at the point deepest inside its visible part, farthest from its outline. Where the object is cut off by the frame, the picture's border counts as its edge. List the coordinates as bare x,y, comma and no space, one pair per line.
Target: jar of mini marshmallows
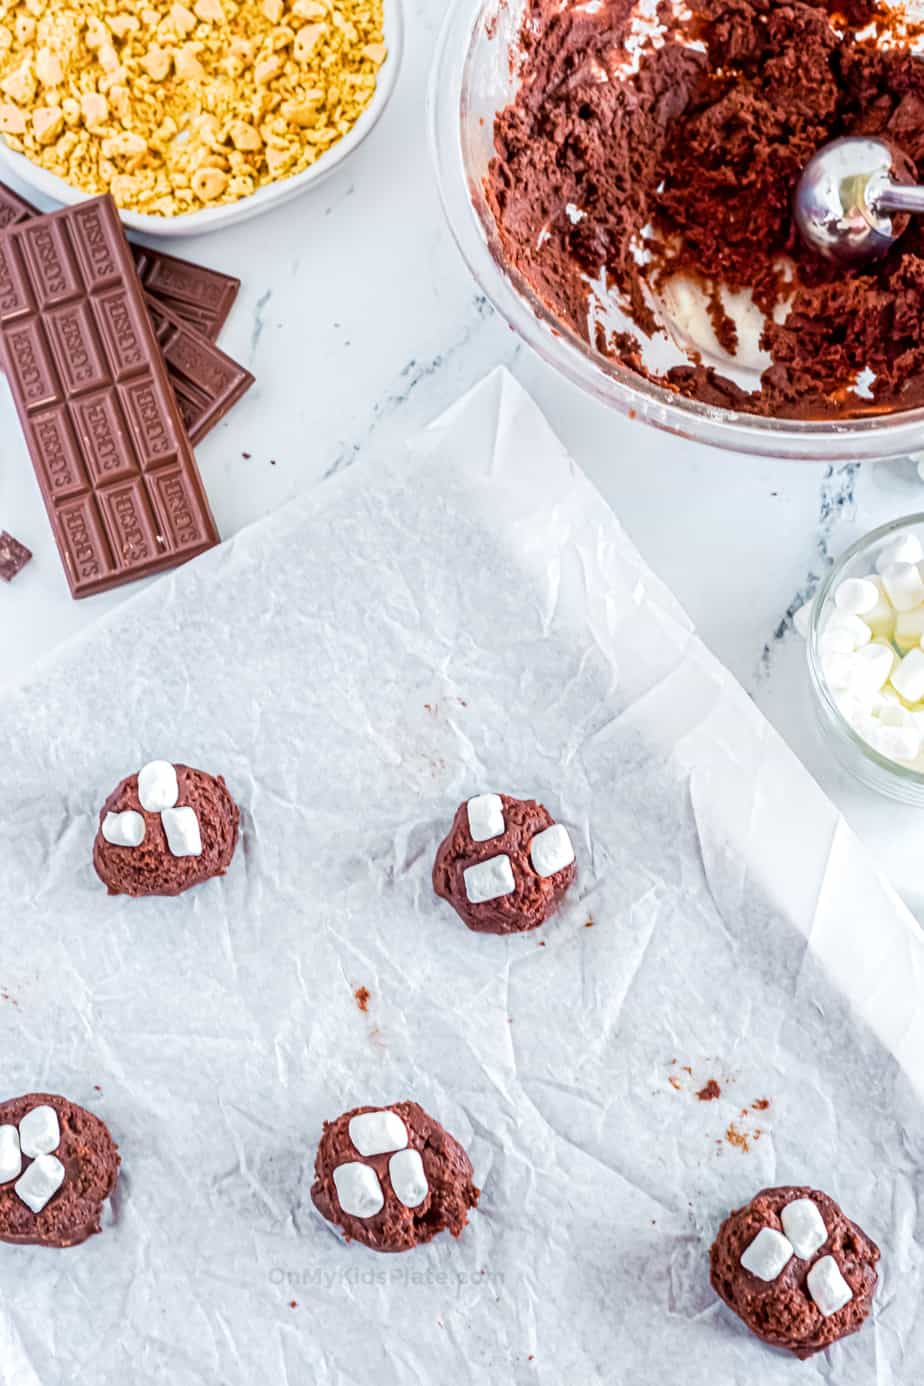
865,637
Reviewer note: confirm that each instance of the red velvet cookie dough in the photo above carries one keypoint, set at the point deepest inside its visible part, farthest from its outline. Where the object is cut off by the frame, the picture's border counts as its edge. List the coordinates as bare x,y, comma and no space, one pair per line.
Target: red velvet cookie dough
809,1255
392,1177
693,149
165,842
71,1146
503,883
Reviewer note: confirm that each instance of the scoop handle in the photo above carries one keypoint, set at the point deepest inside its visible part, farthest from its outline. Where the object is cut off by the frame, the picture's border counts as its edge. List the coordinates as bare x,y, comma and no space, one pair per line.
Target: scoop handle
898,197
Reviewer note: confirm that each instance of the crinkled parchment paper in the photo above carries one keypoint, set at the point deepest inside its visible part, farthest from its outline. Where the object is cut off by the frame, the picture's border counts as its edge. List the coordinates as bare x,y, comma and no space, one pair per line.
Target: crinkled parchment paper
468,618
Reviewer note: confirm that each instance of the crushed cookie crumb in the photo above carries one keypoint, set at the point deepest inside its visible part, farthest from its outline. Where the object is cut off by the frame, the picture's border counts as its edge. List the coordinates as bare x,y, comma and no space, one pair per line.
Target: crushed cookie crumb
173,108
710,1092
361,995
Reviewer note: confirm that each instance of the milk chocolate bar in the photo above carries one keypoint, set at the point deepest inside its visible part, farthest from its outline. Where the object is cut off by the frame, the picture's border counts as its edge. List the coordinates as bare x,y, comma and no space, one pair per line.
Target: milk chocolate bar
107,442
200,296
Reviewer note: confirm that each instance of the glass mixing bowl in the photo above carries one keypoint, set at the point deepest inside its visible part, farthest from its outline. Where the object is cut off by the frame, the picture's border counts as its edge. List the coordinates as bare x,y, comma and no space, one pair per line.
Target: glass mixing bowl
474,76
889,777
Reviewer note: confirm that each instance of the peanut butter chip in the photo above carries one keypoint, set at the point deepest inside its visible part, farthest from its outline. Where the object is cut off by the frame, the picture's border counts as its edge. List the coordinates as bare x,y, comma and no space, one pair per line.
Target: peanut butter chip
209,11
209,183
47,123
172,106
12,120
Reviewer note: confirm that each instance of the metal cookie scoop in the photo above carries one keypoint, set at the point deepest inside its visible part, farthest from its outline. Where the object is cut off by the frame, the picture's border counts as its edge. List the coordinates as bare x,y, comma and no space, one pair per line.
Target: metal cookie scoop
846,197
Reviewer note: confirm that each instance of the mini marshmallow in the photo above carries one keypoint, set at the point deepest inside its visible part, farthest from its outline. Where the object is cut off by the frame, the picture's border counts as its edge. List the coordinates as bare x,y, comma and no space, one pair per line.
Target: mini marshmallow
904,548
157,786
897,743
181,827
124,829
828,1287
838,669
40,1182
489,880
358,1190
881,619
485,817
10,1155
845,633
909,629
39,1132
768,1254
903,585
908,678
551,850
856,596
804,1226
407,1176
375,1133
868,670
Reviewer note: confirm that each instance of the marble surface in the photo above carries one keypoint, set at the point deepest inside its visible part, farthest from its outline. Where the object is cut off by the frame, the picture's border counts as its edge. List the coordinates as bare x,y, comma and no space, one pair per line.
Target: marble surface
361,323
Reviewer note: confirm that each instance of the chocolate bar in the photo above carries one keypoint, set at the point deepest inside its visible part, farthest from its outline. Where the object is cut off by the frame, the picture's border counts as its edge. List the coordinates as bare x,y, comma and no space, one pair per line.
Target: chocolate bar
110,453
13,556
206,382
202,297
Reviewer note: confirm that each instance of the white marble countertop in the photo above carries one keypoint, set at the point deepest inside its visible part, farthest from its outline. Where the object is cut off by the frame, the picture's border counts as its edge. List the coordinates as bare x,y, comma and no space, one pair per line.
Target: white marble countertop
361,323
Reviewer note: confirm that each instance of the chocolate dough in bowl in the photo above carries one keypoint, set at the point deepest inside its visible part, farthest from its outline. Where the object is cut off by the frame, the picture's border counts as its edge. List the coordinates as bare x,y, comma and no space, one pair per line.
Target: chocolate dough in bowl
633,179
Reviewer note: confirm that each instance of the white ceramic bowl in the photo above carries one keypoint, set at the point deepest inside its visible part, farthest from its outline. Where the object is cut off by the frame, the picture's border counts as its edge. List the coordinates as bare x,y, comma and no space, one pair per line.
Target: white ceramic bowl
214,218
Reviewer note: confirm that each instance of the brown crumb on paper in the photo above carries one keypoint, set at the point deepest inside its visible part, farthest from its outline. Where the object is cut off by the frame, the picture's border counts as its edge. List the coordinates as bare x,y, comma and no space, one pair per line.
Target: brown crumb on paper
710,1092
761,1105
171,106
361,995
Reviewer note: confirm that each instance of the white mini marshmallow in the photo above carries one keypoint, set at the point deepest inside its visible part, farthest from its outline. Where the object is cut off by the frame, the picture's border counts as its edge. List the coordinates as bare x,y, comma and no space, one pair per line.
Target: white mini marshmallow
485,817
903,585
897,743
124,829
838,669
908,678
768,1254
375,1133
181,827
157,786
804,1226
551,850
489,880
39,1132
40,1182
881,619
10,1155
408,1179
845,633
909,629
856,596
868,670
904,548
828,1287
358,1190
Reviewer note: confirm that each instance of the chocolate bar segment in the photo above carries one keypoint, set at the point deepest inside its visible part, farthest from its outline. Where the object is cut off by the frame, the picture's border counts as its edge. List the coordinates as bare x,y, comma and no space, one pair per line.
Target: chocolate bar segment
200,296
110,453
13,556
206,382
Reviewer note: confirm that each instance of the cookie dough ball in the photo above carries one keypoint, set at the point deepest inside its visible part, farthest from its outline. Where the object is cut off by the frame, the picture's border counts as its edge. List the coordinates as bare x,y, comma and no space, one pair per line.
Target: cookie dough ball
505,864
58,1165
165,829
795,1270
391,1177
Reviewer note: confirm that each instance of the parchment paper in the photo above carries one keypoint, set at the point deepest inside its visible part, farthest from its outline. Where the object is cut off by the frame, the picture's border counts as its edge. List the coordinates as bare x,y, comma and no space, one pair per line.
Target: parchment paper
469,617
